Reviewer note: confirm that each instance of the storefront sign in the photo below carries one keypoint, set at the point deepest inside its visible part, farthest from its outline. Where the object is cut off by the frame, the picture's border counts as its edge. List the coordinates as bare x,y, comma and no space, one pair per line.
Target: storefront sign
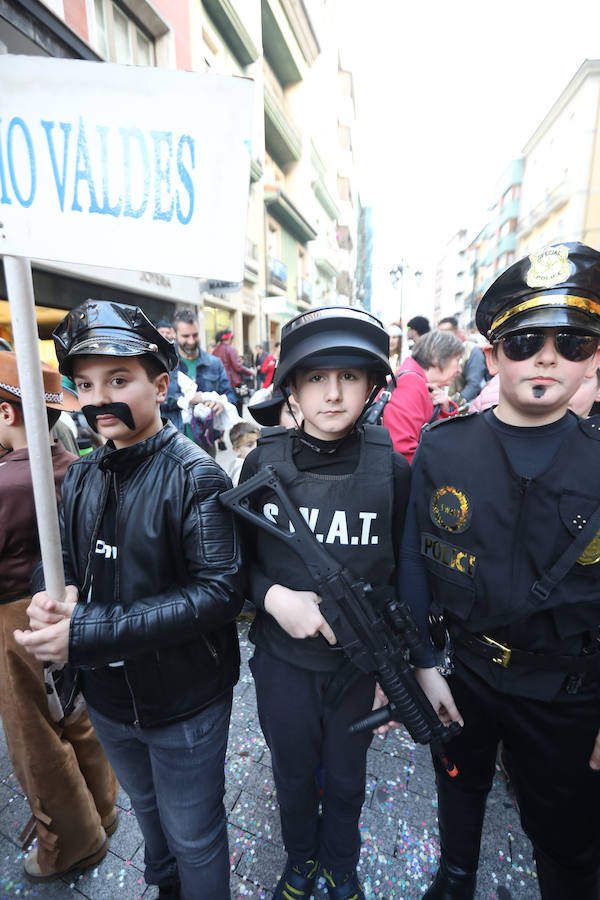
124,166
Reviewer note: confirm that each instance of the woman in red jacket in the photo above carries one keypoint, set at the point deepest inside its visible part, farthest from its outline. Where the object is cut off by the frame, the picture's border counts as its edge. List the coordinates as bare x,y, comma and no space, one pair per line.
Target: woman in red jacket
435,361
269,365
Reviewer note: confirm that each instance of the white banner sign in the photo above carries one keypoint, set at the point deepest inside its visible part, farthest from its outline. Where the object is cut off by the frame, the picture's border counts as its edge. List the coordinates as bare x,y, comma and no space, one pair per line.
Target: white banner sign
124,166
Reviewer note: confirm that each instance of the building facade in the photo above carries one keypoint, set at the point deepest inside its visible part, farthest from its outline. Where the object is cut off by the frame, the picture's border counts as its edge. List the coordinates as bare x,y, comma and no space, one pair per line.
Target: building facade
302,218
561,183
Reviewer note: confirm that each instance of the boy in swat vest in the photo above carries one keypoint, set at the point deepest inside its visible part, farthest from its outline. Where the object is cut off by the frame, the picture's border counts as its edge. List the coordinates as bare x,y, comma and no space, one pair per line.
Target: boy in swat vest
502,536
352,489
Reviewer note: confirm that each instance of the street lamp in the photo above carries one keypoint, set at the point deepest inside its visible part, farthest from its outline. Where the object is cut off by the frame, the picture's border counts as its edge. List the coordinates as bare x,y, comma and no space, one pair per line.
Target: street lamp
397,278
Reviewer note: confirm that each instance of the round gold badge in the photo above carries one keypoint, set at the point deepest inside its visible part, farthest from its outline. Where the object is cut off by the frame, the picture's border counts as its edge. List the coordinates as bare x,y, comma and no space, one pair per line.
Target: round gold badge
450,509
591,554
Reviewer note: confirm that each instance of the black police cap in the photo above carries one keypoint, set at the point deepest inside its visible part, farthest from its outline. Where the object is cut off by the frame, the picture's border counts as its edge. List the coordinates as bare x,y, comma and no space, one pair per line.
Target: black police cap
106,328
332,337
557,285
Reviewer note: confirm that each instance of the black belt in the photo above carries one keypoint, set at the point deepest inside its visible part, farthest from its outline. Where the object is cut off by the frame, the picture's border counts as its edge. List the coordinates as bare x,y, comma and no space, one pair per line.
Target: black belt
492,650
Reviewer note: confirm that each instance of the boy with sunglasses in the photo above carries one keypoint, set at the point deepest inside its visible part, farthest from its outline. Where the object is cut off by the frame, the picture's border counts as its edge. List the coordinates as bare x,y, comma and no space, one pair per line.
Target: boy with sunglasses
502,550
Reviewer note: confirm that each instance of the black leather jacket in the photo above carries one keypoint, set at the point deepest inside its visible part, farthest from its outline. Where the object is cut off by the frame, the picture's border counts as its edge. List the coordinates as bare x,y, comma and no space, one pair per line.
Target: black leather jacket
177,585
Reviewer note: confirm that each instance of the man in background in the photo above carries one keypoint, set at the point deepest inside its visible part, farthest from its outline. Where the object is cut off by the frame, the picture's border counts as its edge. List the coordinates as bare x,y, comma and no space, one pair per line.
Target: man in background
205,370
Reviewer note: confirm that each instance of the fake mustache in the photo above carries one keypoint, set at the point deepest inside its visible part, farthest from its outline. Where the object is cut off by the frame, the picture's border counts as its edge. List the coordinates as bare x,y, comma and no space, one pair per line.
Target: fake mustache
119,410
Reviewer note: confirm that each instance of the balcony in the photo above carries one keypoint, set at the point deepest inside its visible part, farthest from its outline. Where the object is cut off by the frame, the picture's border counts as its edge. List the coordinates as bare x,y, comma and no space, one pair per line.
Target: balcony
277,273
326,200
288,37
283,139
554,199
506,244
251,262
288,215
305,290
510,210
231,27
326,266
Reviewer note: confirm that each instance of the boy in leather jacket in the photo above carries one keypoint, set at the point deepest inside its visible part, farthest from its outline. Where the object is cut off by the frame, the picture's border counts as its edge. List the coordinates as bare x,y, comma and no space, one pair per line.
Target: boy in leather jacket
151,565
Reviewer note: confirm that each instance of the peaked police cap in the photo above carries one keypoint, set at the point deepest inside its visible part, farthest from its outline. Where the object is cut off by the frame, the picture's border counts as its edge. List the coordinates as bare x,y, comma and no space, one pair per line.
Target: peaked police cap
106,328
557,285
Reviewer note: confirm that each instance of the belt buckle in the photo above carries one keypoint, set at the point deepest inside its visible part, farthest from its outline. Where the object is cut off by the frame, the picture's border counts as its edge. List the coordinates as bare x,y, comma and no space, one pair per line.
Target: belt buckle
502,660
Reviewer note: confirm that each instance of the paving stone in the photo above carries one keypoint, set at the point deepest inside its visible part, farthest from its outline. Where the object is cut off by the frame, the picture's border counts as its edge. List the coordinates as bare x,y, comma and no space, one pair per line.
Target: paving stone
13,818
257,816
246,743
379,830
239,841
232,793
384,765
112,877
13,883
246,890
127,839
123,801
7,795
262,863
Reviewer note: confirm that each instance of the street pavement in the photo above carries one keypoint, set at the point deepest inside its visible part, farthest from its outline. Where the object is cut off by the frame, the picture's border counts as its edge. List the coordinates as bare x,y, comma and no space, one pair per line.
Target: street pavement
398,825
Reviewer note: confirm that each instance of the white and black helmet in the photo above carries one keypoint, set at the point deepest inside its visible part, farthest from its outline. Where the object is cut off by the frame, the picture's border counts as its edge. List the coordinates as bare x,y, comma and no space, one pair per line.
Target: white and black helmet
333,337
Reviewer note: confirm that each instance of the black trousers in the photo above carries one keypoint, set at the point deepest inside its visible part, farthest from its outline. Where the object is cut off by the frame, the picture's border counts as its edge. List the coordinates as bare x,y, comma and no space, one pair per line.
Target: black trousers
303,733
548,745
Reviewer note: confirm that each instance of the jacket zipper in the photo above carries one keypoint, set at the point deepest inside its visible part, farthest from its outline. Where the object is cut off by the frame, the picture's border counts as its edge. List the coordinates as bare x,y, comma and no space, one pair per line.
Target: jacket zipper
211,649
104,495
136,721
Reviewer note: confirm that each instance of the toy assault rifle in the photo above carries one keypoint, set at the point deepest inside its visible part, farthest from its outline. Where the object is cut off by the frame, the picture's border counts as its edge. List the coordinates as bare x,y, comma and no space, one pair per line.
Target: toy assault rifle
374,641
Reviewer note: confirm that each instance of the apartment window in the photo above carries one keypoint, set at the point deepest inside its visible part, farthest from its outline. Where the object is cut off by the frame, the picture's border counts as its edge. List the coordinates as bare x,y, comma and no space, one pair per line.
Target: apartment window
120,37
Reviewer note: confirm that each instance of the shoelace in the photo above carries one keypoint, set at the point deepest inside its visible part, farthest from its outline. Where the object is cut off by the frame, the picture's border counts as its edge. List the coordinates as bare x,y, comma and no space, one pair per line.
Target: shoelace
348,875
310,869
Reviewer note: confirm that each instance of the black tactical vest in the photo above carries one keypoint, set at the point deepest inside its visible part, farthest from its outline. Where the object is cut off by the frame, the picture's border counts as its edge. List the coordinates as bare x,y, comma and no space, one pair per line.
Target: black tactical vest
350,514
487,535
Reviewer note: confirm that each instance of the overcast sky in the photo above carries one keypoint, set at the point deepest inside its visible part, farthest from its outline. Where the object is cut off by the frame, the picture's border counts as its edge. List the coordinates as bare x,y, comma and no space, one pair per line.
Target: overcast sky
447,93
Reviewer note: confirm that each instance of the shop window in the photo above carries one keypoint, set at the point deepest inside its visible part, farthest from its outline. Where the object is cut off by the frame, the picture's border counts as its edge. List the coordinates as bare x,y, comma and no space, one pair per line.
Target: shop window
215,319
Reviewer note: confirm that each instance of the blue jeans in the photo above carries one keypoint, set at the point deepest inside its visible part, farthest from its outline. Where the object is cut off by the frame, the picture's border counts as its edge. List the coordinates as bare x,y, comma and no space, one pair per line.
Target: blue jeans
174,775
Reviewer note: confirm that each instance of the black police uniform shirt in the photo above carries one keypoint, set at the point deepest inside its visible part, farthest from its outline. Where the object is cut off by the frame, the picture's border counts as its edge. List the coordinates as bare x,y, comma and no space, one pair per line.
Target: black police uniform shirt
354,494
105,688
492,507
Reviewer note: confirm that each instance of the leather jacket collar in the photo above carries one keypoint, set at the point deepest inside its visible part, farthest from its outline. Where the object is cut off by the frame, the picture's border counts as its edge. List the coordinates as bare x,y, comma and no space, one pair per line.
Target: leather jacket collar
127,457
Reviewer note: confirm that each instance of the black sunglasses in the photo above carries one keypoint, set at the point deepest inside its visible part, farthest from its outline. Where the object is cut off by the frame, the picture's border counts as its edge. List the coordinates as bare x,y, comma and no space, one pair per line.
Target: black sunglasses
573,346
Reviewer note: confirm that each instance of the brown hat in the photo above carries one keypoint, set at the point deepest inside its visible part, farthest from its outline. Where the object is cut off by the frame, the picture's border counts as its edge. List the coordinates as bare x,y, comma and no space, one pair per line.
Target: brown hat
54,395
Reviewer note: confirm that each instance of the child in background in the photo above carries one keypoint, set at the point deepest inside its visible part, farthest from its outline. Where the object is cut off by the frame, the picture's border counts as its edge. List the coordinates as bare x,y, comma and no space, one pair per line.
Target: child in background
243,437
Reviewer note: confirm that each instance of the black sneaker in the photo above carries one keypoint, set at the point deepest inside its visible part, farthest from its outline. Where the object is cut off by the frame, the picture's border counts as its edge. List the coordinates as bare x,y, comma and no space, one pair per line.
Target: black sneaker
343,886
297,881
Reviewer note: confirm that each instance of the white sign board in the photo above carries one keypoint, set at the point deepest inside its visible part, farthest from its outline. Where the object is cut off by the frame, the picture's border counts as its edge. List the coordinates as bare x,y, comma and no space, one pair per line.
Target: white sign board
124,166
